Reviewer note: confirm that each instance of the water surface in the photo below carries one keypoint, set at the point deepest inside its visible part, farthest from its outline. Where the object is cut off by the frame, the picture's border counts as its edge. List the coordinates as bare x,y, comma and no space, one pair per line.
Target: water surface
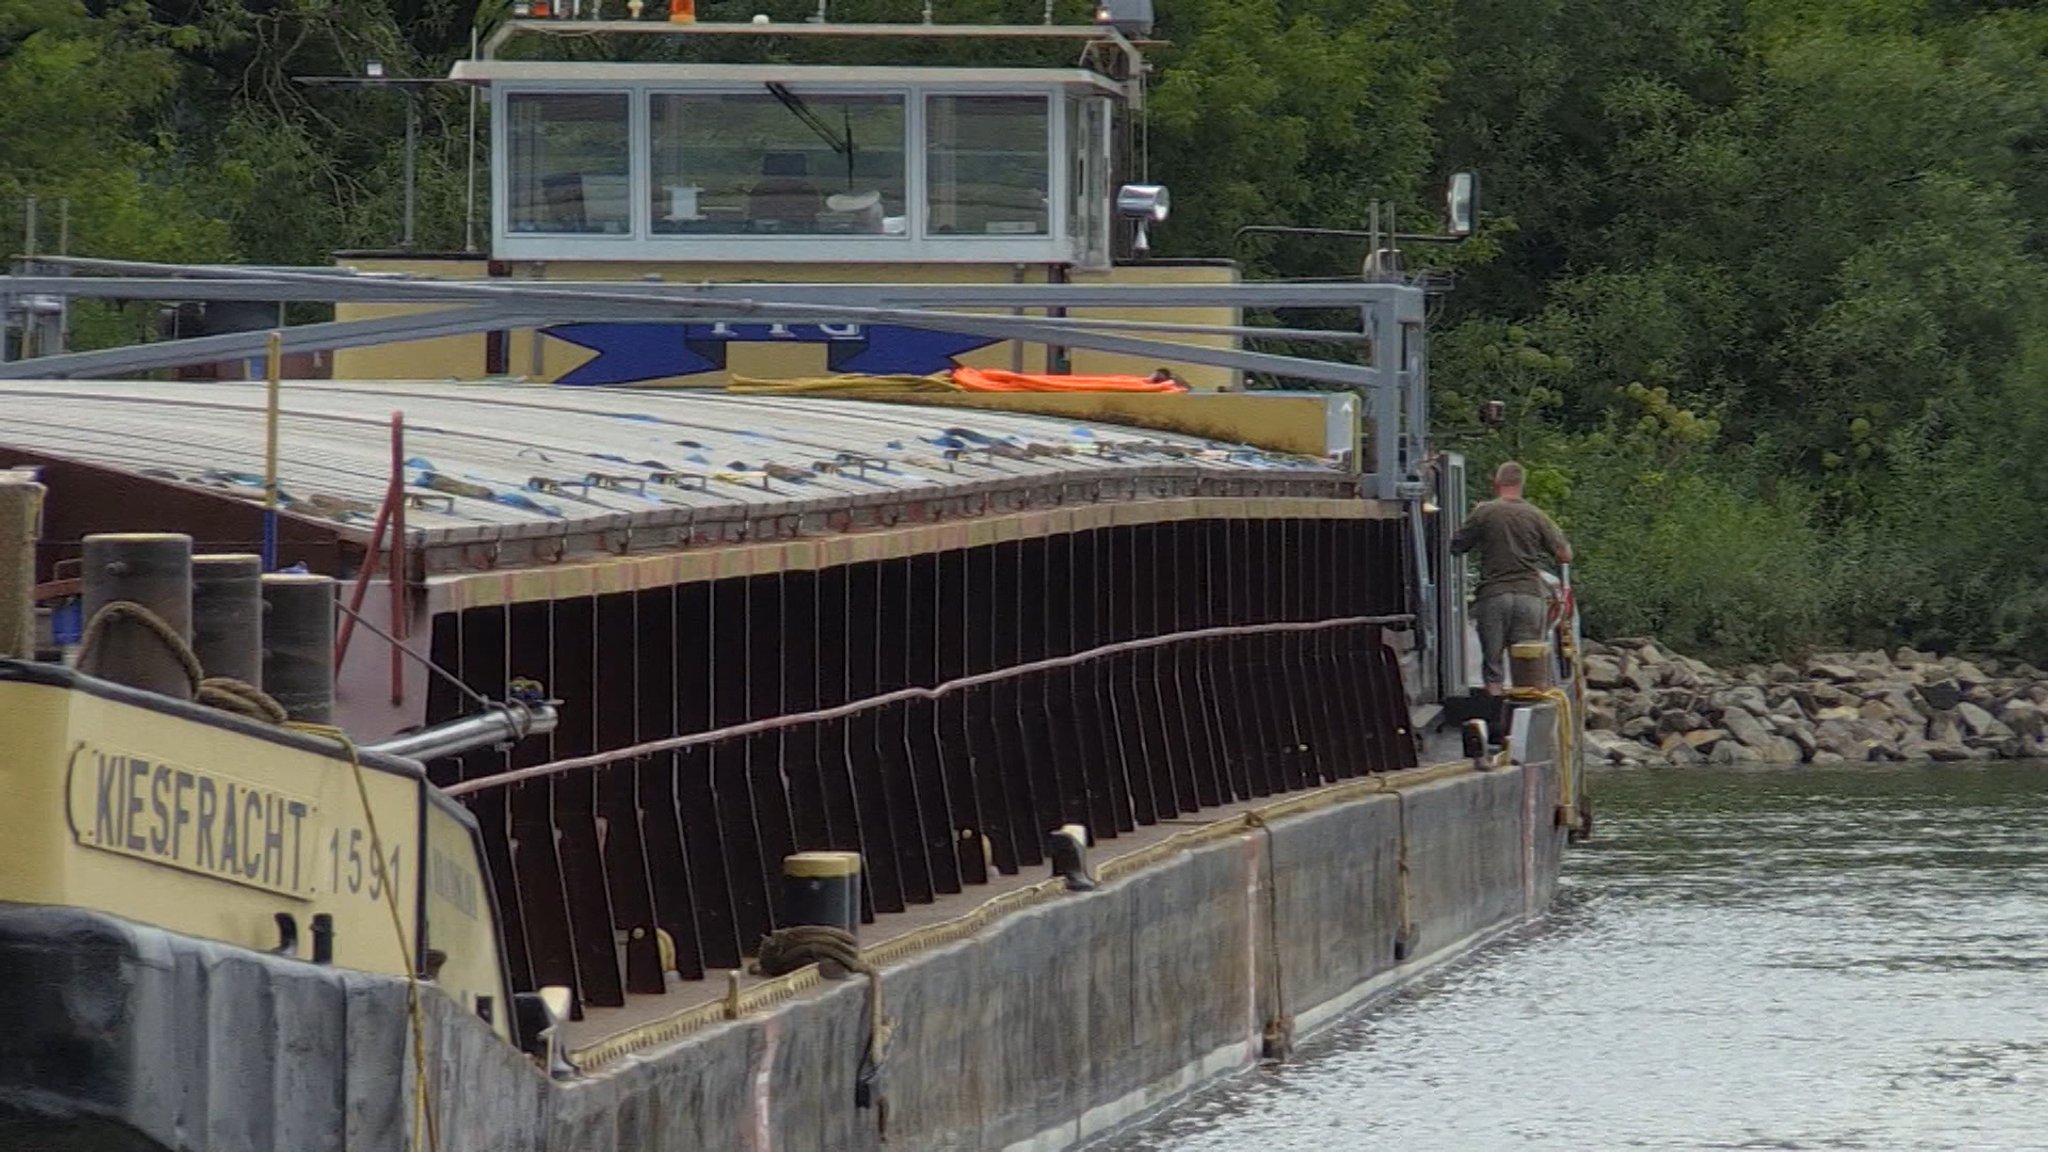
1837,959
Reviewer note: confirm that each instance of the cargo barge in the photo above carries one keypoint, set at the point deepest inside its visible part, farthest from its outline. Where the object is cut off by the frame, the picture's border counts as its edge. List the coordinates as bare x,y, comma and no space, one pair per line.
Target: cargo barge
1129,713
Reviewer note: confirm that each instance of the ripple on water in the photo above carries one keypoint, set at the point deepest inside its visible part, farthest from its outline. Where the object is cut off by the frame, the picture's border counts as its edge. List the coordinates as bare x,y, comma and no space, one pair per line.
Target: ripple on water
1802,960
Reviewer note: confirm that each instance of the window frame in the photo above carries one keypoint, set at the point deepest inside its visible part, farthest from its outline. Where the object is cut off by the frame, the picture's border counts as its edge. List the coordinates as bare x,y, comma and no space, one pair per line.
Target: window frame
641,244
1057,171
501,173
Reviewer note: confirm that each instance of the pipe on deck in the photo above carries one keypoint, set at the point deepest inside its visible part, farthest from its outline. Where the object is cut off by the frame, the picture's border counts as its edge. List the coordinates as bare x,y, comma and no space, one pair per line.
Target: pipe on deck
502,724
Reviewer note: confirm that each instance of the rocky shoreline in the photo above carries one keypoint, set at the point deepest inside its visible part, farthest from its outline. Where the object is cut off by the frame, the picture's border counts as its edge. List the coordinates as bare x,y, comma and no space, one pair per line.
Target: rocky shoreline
1650,707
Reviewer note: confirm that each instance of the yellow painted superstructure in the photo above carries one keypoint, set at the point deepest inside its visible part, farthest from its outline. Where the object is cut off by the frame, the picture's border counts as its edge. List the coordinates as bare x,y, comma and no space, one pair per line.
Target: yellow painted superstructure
206,828
535,355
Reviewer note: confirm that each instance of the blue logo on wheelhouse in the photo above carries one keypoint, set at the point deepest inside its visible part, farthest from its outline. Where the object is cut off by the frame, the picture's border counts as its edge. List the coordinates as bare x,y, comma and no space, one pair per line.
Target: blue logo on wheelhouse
632,353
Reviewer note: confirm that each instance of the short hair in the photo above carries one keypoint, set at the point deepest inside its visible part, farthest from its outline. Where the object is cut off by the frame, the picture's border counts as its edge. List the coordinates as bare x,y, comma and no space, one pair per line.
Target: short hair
1508,475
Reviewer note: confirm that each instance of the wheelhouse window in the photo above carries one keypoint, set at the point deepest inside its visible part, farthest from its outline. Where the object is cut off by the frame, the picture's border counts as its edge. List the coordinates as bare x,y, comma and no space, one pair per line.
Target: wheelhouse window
779,162
987,167
569,163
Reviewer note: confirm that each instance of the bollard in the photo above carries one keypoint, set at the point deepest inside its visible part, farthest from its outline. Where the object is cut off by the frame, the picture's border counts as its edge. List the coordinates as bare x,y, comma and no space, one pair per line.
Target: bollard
153,571
1530,664
21,515
1068,847
323,938
822,889
227,615
298,644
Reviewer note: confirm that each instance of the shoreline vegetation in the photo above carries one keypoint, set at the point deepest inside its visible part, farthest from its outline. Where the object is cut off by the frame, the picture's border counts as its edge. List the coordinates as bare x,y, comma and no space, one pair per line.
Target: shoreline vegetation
1650,707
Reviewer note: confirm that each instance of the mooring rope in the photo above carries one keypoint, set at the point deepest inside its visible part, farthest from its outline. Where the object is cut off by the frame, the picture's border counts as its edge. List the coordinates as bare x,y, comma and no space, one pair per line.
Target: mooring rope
788,949
223,692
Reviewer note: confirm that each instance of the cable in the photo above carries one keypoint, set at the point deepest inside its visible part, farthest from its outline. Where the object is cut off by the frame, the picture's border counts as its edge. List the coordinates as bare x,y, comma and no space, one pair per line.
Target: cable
475,696
423,1103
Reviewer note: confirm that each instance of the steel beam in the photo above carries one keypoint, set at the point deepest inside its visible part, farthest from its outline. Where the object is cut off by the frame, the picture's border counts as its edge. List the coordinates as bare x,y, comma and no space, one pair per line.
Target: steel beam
204,282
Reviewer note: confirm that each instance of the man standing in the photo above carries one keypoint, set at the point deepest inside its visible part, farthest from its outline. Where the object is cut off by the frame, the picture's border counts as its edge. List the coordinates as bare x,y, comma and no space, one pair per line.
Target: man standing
1515,542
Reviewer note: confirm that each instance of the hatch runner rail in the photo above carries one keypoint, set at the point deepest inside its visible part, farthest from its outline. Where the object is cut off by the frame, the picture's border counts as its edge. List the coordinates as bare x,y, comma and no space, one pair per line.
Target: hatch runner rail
777,723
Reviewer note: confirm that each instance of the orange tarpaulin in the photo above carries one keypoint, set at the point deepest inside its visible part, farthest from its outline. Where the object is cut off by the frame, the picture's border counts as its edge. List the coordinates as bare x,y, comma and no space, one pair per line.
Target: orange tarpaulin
996,380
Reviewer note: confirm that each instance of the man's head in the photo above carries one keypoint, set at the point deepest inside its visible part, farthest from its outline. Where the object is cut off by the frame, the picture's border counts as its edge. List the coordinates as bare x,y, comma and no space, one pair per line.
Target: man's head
1507,481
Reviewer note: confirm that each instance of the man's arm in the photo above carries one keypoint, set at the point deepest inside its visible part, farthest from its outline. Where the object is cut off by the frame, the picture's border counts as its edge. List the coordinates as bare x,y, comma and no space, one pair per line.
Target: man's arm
1465,537
1559,546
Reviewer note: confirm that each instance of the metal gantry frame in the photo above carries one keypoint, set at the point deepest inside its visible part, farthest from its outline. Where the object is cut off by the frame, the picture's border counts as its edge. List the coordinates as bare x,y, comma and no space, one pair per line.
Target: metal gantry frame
1393,379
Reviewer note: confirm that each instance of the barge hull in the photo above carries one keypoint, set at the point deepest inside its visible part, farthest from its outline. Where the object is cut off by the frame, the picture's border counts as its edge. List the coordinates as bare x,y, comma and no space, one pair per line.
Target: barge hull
1054,1025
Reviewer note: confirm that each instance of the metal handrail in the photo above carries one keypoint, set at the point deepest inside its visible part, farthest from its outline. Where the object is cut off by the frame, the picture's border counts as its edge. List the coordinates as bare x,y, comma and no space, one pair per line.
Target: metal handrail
904,695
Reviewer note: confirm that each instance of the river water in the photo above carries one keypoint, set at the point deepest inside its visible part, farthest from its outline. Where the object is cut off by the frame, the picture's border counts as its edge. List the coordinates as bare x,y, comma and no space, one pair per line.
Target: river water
1852,959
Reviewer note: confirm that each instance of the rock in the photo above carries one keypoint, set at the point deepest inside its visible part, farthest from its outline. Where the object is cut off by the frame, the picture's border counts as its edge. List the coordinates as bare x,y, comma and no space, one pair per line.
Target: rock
1905,705
1801,737
1836,673
1642,679
1612,748
1746,698
1685,756
1630,706
1940,695
1730,752
1705,739
1639,728
1829,696
1825,757
1843,713
1679,720
1949,753
2024,717
1782,751
1977,722
1677,676
1600,717
1968,674
1908,658
1877,712
1945,729
1604,673
1747,730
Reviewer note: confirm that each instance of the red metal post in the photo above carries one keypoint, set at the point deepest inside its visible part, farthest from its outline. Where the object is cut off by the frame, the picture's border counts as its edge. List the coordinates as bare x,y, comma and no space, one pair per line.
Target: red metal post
362,581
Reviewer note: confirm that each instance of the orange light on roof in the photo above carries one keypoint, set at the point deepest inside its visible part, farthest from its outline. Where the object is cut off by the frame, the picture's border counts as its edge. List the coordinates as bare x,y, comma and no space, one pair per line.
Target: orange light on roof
682,11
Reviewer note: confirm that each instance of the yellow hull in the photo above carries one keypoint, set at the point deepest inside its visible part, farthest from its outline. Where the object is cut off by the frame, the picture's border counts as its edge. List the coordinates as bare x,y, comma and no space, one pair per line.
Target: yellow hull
212,827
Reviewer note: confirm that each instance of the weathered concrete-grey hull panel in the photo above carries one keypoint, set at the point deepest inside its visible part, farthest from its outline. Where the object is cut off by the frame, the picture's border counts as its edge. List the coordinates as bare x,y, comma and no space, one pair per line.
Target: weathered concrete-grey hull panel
1055,1025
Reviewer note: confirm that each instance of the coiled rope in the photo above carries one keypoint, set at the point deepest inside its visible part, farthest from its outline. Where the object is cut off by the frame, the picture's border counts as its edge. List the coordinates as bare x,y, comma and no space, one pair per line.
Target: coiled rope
788,949
223,692
243,699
